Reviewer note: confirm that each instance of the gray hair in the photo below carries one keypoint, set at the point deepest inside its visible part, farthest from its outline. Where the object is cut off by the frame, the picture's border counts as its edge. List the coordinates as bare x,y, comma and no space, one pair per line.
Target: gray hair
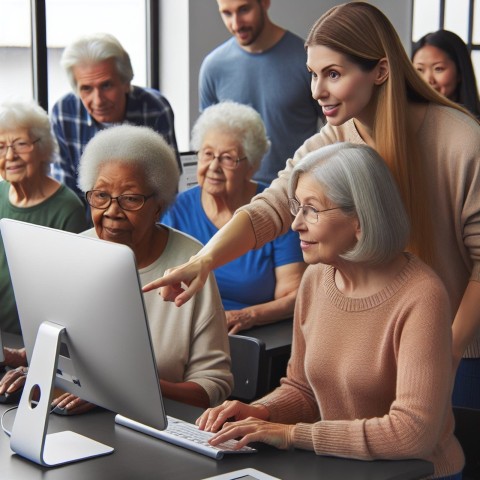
136,146
242,121
29,115
356,179
95,48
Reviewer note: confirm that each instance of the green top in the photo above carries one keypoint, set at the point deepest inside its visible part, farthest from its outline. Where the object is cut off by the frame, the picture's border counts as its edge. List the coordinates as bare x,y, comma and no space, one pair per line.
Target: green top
63,210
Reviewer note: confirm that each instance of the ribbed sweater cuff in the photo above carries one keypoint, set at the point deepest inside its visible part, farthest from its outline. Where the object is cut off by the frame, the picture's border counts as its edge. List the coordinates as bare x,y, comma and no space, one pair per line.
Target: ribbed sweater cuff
279,411
330,438
261,224
302,436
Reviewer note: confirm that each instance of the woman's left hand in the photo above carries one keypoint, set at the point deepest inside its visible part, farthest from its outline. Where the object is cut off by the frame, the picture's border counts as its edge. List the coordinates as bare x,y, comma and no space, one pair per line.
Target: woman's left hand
254,430
13,380
72,403
238,320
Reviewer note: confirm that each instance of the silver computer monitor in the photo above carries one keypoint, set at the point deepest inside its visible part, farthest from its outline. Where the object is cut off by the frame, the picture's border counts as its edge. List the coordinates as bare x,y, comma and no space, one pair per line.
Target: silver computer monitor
85,330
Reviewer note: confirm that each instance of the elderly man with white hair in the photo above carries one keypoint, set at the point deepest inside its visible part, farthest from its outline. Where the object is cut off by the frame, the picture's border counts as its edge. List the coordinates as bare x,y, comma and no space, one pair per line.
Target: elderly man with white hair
100,74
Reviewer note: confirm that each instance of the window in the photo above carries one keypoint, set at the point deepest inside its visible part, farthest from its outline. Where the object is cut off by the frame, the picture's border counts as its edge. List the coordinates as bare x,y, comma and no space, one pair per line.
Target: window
15,50
65,21
69,19
459,16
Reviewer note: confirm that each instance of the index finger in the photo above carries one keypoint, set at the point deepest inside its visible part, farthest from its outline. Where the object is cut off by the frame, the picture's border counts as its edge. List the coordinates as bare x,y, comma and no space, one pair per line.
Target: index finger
175,287
168,279
171,292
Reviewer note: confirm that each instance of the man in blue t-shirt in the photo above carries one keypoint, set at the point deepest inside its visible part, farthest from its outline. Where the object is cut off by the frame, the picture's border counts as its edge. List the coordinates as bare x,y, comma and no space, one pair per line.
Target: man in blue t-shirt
262,65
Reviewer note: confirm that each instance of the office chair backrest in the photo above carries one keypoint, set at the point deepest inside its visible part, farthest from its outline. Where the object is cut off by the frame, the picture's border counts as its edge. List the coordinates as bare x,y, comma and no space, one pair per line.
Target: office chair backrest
249,367
467,430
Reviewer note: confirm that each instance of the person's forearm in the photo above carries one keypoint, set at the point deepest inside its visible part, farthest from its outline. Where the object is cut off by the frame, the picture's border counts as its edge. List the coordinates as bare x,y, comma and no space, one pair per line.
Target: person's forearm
14,357
269,312
233,240
466,324
186,392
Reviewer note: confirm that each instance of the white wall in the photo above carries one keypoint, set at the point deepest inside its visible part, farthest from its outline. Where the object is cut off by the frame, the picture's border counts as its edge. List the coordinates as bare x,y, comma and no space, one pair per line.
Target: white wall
189,29
192,28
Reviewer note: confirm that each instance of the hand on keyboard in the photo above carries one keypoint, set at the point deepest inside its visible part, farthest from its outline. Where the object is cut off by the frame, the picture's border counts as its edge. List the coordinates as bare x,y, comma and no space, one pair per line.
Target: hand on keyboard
187,435
249,425
250,430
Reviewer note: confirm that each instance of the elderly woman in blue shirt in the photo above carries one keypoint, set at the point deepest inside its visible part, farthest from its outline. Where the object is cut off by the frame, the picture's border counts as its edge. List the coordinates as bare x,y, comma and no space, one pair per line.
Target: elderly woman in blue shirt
259,287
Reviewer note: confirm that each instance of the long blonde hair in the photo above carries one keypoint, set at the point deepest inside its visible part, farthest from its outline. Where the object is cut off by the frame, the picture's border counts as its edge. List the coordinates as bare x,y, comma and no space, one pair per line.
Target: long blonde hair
365,35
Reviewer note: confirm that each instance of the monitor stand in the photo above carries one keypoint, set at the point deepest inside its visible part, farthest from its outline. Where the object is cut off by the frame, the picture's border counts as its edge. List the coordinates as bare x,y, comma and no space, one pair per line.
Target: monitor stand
29,433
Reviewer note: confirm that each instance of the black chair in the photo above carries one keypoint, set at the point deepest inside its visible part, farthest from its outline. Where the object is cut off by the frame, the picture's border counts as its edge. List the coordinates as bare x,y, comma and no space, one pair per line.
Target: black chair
249,367
467,430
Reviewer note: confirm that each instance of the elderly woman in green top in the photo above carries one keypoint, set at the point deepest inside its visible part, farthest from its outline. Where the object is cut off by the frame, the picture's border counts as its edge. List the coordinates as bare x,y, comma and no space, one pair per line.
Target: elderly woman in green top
27,148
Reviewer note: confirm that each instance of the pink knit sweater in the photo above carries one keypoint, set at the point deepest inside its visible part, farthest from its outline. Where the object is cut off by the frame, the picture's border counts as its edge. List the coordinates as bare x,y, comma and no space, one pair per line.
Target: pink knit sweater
369,377
450,143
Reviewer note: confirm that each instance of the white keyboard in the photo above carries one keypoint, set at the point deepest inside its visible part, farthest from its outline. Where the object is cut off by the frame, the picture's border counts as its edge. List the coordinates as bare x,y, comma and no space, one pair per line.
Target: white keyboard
186,435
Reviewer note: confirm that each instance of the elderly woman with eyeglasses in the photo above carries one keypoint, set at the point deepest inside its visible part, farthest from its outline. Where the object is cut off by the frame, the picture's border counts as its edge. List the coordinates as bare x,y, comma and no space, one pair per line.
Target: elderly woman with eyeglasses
370,371
129,175
27,193
259,287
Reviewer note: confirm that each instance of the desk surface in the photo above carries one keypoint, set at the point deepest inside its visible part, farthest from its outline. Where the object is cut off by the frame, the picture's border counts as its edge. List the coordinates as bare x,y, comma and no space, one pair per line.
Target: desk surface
143,457
276,336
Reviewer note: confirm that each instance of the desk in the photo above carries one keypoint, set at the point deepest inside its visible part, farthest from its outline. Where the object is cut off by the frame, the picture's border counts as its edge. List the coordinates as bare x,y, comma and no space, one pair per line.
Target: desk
139,456
277,338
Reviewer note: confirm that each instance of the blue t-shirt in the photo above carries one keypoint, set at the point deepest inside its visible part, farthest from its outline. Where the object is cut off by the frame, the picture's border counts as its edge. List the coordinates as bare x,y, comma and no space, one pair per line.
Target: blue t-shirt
276,84
248,280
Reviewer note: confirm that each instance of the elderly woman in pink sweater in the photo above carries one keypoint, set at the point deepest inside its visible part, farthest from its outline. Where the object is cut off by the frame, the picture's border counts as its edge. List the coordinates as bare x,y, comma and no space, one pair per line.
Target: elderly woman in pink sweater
369,376
371,94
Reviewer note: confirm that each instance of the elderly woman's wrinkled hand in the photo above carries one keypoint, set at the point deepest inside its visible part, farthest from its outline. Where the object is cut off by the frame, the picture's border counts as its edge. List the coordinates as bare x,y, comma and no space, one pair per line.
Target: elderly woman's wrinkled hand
238,320
255,430
72,403
213,419
181,283
13,380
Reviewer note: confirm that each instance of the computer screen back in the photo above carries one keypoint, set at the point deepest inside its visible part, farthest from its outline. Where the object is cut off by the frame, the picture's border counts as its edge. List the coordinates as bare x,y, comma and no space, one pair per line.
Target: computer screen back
91,287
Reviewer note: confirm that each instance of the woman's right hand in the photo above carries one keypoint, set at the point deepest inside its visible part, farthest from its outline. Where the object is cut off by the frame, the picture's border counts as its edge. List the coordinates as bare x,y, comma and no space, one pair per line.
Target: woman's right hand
181,283
13,380
213,419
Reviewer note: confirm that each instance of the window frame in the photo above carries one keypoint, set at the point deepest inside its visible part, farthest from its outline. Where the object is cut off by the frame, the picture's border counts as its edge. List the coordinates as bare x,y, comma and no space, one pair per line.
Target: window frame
39,48
441,23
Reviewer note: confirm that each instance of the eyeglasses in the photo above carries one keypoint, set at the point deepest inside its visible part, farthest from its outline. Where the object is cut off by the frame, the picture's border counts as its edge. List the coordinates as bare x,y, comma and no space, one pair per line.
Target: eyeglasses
310,214
225,159
130,201
18,146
